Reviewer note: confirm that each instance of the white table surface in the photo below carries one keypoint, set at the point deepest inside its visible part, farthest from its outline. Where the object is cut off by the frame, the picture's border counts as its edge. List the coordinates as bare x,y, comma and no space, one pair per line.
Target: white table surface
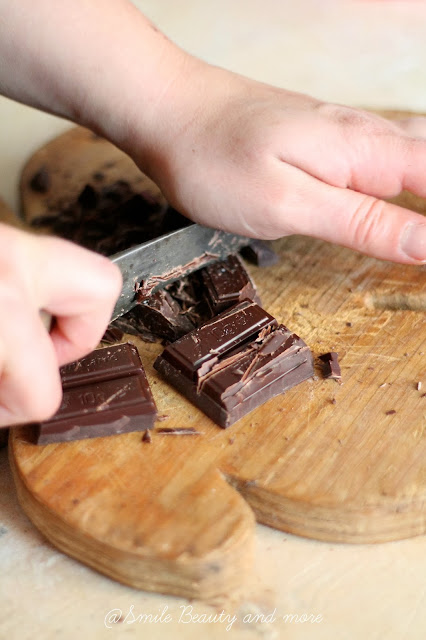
359,53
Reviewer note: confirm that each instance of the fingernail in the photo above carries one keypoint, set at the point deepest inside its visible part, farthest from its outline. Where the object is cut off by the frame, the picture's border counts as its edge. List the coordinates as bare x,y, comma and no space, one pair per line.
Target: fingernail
413,241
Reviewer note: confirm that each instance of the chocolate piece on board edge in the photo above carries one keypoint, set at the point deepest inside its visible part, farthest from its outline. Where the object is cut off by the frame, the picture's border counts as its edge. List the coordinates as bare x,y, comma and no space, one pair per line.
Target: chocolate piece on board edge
104,393
236,362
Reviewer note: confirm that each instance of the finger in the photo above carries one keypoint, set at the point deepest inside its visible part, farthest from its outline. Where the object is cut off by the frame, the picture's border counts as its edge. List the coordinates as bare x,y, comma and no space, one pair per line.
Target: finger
352,219
414,126
355,149
30,387
80,291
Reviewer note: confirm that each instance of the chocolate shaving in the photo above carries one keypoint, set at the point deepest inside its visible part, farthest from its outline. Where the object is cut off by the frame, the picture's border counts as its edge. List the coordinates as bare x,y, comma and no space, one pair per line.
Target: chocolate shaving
178,431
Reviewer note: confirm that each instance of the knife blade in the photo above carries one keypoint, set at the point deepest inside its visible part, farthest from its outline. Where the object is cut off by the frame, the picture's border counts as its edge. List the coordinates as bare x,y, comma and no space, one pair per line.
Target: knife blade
154,264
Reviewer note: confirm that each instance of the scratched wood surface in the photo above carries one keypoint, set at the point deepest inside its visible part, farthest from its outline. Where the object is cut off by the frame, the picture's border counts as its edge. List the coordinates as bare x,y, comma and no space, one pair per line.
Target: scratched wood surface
342,462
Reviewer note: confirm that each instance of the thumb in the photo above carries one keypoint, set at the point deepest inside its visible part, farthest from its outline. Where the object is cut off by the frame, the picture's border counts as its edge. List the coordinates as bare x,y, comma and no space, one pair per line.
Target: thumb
355,220
414,126
79,288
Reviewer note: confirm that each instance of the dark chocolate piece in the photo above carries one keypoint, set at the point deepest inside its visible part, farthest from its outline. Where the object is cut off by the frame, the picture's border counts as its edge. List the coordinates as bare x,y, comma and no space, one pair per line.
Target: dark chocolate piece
104,393
331,367
391,412
261,253
40,182
227,283
180,307
236,362
161,315
4,436
112,335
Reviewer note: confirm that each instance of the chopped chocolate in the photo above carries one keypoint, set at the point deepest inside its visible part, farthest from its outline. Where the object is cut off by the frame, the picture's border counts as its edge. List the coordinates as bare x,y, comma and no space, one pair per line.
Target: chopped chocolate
391,412
40,182
129,323
331,367
104,393
162,316
146,287
236,362
4,436
108,219
112,335
187,303
261,253
88,198
226,283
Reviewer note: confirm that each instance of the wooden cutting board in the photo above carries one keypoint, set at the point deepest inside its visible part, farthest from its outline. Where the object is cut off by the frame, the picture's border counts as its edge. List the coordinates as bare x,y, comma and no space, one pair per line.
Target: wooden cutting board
341,462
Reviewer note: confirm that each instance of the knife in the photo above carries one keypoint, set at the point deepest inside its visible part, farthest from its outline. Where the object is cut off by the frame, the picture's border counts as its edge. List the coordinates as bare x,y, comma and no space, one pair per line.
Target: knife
150,266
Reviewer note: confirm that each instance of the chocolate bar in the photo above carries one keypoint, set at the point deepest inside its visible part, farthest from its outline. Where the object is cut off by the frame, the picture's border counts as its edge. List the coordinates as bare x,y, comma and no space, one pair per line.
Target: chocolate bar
109,219
235,362
104,393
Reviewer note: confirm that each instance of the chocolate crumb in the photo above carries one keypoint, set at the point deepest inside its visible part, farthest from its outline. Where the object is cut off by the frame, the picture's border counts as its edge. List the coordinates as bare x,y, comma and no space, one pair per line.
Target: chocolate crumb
146,436
349,324
333,401
391,412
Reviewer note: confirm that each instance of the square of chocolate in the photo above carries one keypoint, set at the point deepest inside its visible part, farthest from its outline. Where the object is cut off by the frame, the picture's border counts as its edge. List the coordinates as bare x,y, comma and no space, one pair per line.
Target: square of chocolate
236,362
104,393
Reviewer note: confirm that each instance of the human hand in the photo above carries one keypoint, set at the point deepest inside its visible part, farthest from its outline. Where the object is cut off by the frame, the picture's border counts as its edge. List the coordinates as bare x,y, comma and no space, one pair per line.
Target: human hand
79,288
266,162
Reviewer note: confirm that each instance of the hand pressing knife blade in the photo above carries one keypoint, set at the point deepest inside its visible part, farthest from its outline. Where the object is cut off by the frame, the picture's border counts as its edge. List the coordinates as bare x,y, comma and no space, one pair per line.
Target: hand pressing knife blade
153,265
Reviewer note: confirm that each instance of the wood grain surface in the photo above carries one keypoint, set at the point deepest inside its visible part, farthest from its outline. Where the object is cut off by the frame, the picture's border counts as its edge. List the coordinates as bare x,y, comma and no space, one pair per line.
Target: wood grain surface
342,462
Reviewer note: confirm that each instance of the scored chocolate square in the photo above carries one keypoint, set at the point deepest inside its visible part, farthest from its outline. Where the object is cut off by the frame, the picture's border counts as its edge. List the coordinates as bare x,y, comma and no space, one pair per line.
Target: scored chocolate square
104,393
236,362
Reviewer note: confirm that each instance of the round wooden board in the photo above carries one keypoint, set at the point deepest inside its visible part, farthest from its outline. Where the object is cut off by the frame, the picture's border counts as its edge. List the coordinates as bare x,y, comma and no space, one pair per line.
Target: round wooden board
342,462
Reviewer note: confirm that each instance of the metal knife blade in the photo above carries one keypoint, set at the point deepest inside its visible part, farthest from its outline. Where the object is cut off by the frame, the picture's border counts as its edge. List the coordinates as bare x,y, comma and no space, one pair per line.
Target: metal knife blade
169,257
